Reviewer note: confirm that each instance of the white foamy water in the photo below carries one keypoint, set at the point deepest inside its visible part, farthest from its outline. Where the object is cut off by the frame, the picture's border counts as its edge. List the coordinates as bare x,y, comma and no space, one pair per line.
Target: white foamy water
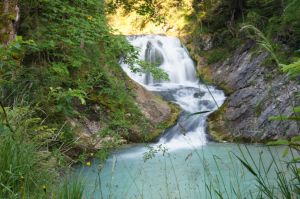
182,88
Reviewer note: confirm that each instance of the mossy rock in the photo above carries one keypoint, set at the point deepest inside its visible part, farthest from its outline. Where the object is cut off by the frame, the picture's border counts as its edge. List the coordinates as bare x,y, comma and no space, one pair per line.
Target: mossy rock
205,73
161,127
217,125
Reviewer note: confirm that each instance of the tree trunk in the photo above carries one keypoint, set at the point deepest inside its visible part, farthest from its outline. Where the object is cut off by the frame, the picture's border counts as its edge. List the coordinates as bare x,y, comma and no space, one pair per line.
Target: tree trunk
9,20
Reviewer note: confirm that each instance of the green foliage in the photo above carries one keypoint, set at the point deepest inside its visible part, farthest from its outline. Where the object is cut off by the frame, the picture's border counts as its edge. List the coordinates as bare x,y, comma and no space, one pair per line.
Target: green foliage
292,69
146,67
222,19
63,99
148,16
255,19
152,151
148,9
286,181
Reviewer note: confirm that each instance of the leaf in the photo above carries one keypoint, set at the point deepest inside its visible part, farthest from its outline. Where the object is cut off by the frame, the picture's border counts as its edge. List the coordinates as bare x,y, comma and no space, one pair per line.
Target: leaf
278,118
295,139
246,165
198,113
285,152
284,118
297,109
294,160
219,194
60,69
278,143
293,69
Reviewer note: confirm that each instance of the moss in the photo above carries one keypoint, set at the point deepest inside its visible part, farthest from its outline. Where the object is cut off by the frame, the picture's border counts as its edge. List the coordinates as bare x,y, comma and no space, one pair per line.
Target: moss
258,108
205,73
215,55
161,127
220,129
217,126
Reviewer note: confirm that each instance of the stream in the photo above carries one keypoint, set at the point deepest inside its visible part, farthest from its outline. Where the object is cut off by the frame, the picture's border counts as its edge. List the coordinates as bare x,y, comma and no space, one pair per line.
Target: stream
183,163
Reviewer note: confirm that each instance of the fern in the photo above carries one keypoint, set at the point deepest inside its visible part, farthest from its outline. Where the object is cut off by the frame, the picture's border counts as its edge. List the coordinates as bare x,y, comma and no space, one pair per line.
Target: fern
293,69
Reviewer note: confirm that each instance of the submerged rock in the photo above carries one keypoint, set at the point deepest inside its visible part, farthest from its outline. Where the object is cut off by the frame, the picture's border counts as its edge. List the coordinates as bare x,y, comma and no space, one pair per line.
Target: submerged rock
207,104
199,94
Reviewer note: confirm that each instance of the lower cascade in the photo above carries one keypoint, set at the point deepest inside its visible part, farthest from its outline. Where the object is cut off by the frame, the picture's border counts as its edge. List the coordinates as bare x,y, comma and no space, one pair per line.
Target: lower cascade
182,88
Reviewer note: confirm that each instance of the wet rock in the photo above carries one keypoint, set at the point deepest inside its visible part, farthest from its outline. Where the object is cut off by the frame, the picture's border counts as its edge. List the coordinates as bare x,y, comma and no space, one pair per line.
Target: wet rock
167,95
199,94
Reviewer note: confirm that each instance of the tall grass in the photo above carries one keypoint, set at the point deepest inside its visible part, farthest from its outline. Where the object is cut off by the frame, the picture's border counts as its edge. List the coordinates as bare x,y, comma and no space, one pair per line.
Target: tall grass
21,172
25,172
72,187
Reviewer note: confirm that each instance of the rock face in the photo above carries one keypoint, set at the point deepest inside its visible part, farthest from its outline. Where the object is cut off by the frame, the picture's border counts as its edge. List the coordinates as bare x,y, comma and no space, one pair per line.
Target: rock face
256,92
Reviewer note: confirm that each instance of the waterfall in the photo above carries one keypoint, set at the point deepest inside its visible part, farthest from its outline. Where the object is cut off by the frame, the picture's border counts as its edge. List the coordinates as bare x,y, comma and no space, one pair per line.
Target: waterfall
182,88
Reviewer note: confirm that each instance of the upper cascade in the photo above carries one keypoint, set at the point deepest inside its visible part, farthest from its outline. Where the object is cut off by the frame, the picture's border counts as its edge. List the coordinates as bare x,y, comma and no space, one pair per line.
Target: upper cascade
168,54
